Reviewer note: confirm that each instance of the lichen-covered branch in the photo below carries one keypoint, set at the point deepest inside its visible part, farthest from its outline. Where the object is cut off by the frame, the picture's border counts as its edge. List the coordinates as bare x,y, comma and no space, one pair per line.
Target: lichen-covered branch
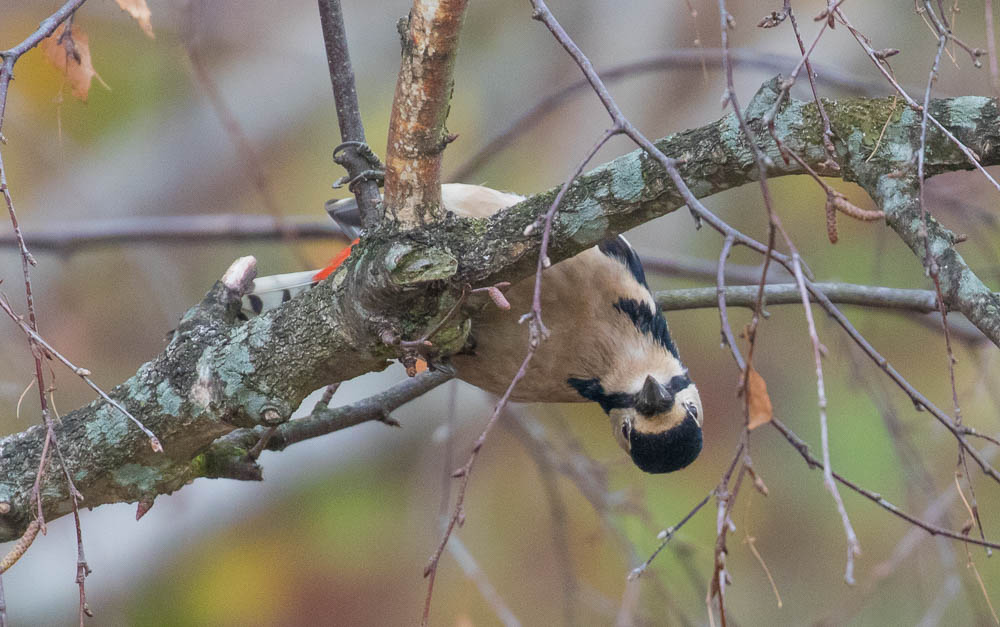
417,133
218,374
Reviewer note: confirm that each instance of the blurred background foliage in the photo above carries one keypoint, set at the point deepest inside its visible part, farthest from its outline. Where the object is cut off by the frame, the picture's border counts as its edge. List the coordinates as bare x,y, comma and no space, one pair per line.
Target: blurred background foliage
341,528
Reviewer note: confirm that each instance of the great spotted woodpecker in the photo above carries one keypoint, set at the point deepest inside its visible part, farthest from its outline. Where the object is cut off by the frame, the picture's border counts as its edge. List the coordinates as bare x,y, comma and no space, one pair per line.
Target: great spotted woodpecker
609,342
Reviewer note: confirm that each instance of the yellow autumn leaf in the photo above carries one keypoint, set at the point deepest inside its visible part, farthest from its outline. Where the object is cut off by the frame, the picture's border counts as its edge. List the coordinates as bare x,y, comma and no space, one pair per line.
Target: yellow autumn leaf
140,12
758,400
71,56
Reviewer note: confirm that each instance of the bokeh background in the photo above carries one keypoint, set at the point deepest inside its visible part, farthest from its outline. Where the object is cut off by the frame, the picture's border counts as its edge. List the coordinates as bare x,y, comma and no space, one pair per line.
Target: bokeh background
340,529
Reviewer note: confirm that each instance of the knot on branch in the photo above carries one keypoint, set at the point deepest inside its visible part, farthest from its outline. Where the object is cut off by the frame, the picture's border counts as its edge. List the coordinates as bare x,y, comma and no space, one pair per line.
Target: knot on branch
412,265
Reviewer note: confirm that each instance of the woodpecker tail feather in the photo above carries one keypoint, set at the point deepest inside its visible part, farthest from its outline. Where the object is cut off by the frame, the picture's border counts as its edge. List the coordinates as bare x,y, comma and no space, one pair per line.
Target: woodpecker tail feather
271,291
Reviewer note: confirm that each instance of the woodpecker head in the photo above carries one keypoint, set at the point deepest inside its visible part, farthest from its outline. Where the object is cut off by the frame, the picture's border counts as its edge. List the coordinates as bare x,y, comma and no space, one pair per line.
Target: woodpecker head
661,429
658,423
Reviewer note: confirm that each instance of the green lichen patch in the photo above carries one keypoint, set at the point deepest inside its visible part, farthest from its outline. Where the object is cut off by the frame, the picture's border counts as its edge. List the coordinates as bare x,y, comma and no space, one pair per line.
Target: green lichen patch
965,112
410,265
587,224
170,401
108,427
136,479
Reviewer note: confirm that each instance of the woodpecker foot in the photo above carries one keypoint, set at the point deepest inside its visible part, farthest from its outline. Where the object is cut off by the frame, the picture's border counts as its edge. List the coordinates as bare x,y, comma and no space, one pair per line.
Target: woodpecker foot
368,175
352,155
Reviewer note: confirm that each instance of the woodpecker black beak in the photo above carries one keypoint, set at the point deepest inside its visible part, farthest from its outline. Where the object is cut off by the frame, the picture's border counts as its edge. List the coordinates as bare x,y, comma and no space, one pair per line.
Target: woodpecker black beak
668,451
654,398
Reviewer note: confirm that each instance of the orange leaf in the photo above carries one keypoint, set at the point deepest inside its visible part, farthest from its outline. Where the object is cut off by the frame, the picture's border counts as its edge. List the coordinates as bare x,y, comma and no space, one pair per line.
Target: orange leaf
140,12
758,400
71,56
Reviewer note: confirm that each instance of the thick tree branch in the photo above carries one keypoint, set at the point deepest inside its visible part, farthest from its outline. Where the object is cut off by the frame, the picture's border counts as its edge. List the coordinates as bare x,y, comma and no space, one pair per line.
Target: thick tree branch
417,133
961,289
218,374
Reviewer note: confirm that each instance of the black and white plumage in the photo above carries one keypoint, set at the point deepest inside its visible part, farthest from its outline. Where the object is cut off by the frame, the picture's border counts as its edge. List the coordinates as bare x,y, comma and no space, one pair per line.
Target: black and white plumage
609,342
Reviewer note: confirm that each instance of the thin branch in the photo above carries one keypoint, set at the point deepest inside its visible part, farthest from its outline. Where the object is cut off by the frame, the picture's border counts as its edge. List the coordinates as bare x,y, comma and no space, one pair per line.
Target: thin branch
83,373
559,519
875,497
667,535
69,237
667,61
919,301
991,46
323,420
873,55
10,56
537,333
354,158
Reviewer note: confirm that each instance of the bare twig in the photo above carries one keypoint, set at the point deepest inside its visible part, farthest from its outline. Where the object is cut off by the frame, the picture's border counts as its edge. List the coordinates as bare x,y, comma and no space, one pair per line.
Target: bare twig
537,333
74,236
667,535
673,59
10,56
875,497
873,55
9,59
853,547
83,373
933,270
918,301
458,512
991,46
560,522
324,420
354,158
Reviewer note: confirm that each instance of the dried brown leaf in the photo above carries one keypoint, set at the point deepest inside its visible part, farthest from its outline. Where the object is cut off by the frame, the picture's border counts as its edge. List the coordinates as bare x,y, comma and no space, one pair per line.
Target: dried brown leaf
71,56
140,12
758,400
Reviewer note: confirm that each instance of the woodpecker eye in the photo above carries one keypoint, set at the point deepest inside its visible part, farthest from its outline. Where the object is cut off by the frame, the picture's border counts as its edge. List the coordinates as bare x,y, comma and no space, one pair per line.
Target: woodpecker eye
625,429
692,411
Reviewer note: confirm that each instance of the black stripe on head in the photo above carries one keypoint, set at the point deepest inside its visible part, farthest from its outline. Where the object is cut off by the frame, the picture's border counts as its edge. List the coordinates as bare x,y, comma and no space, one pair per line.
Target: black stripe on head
671,450
617,248
678,383
648,321
256,303
592,390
